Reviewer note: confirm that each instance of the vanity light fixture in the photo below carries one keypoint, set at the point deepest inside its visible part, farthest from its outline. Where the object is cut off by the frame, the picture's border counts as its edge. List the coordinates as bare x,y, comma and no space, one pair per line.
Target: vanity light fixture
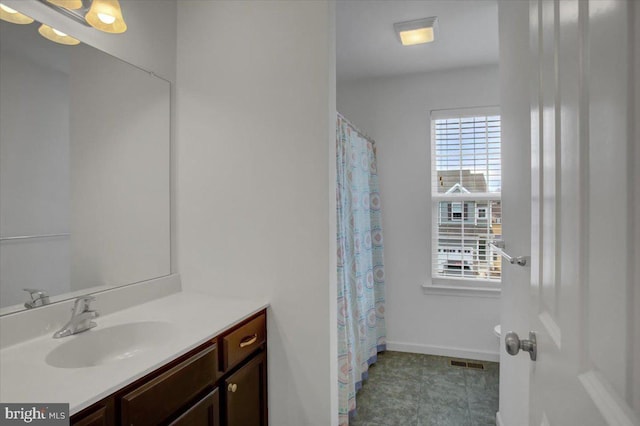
103,15
13,16
67,4
57,36
418,31
106,15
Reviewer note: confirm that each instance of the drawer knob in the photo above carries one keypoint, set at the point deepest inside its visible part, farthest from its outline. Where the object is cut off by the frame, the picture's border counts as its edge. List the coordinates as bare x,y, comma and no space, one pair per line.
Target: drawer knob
232,387
249,340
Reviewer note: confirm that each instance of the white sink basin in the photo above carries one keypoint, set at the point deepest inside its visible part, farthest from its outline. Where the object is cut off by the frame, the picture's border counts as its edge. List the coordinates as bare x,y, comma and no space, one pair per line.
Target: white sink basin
99,346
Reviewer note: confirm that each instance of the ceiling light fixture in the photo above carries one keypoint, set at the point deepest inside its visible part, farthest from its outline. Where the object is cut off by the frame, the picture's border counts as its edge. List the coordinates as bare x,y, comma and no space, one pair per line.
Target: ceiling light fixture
418,31
57,36
13,16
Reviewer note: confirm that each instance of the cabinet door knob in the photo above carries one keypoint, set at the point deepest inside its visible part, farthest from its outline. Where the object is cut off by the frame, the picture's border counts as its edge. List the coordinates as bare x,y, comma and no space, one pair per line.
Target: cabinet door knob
232,387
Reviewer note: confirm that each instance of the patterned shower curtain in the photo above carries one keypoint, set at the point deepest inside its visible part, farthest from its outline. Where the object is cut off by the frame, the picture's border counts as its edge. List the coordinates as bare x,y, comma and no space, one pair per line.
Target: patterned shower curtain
361,281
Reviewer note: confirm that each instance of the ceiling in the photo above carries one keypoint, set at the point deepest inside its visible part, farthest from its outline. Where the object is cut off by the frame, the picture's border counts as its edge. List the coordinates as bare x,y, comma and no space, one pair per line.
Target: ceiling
367,46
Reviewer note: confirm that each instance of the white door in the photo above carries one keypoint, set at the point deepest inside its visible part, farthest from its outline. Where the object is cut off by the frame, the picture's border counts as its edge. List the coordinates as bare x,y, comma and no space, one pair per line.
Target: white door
584,306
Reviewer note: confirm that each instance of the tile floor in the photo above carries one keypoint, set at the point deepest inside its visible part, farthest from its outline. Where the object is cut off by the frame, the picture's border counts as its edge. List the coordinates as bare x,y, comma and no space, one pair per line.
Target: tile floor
405,389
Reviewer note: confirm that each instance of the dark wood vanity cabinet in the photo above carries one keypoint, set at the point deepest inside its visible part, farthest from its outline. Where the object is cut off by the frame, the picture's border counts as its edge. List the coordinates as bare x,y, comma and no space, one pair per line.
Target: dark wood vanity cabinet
221,383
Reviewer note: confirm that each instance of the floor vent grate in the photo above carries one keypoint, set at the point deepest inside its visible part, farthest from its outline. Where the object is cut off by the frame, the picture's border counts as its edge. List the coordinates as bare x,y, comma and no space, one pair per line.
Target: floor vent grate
464,364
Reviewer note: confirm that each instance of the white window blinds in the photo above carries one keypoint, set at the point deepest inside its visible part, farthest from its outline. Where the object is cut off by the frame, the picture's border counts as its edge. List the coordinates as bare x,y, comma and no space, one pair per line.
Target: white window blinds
466,195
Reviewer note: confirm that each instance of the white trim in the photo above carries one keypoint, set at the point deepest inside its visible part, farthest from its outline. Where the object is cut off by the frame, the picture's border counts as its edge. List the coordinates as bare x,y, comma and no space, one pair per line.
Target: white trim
462,189
612,407
472,196
488,111
443,351
499,421
486,217
464,291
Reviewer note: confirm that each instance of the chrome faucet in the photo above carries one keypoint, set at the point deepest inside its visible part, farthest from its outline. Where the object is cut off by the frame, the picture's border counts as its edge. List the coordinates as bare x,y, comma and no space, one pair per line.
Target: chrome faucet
81,317
38,298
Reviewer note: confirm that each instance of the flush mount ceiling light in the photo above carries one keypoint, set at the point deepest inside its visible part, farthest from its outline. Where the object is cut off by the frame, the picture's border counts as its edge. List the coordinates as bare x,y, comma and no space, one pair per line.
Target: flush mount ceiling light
418,31
57,36
13,16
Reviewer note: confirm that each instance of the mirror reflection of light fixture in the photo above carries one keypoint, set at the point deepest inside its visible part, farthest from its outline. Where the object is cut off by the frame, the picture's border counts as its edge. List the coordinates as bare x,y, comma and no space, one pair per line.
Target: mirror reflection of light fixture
67,4
106,15
57,36
13,16
416,32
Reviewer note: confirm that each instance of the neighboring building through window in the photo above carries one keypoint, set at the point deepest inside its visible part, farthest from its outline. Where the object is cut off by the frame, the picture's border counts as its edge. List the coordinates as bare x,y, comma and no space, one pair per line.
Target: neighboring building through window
465,194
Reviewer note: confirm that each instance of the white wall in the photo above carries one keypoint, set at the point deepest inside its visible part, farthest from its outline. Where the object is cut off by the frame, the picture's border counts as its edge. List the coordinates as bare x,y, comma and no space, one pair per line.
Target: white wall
395,112
515,78
255,82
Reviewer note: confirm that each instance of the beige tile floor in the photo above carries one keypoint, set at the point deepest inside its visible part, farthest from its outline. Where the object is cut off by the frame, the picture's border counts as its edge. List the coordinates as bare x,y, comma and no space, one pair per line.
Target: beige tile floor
405,389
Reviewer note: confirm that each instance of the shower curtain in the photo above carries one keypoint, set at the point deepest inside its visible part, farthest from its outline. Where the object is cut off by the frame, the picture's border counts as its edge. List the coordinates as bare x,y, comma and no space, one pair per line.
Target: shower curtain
361,280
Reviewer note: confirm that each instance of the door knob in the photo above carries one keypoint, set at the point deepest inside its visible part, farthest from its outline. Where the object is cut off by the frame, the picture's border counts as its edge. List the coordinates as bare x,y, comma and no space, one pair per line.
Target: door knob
513,344
232,387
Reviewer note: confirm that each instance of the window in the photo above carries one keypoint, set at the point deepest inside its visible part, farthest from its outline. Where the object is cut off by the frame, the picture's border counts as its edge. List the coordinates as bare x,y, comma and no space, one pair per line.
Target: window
465,195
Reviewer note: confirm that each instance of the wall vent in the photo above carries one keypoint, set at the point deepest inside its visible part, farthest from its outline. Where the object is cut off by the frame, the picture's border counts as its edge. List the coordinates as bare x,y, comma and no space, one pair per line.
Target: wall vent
464,364
475,365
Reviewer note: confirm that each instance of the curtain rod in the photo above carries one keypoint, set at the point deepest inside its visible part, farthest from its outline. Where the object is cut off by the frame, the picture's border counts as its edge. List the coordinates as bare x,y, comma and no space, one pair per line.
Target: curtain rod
350,124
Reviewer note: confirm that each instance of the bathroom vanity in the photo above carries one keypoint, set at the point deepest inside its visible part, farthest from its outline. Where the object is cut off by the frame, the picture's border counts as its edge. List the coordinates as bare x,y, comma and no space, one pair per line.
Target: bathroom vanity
184,359
222,382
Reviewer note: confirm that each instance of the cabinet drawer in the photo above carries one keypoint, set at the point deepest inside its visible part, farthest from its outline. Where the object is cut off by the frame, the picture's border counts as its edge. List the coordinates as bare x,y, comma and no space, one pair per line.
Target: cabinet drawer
205,412
240,343
156,400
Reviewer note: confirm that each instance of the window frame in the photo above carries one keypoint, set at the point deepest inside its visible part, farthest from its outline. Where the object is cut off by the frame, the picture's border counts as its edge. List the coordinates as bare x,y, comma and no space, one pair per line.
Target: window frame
464,286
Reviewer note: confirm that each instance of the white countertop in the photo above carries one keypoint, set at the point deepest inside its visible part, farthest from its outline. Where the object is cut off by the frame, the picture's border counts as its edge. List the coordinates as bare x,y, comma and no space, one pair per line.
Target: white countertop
26,377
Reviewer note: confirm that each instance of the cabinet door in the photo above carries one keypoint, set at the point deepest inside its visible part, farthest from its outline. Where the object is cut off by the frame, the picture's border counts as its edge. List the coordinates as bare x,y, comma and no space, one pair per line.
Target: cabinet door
96,418
246,394
99,414
205,412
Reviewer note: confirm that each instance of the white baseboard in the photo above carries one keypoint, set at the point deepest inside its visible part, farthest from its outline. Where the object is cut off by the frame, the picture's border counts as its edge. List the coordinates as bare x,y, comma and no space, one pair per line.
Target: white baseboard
444,351
499,419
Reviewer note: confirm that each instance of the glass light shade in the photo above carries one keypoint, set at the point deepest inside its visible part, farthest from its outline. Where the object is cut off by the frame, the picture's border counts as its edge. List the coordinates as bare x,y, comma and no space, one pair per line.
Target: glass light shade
57,36
67,4
418,31
13,16
106,15
419,36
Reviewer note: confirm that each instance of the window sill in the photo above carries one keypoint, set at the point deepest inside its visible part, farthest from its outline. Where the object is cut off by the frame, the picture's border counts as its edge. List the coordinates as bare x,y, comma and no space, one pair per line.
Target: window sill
461,290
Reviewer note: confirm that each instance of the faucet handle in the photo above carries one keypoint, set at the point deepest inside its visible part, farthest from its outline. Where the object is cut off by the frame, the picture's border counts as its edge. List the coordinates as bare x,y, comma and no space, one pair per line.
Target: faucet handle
38,297
82,304
36,292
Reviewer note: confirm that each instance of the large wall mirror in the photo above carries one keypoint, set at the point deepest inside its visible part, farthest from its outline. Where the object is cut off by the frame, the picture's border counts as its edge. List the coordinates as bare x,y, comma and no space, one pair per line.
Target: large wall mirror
84,170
